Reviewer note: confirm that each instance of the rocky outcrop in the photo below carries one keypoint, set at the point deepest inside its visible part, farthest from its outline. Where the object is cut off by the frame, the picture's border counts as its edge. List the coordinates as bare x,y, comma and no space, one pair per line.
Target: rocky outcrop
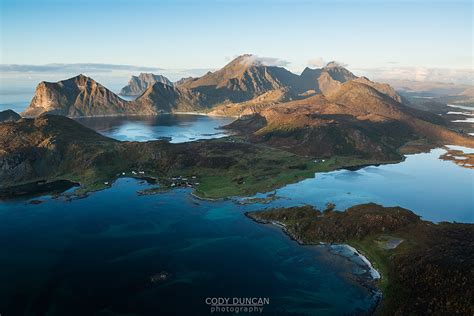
138,84
326,79
78,96
165,98
9,115
381,87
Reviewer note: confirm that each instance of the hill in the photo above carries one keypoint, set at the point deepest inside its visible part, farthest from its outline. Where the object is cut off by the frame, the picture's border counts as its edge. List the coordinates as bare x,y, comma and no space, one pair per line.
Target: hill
354,119
38,152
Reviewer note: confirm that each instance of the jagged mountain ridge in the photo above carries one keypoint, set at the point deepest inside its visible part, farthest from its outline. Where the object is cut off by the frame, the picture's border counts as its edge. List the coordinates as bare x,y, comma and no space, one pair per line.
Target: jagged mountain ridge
138,84
355,119
78,96
244,80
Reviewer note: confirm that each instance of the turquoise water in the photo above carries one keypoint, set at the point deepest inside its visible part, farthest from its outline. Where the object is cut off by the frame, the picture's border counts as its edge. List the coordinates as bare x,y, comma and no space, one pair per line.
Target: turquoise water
435,189
175,128
95,256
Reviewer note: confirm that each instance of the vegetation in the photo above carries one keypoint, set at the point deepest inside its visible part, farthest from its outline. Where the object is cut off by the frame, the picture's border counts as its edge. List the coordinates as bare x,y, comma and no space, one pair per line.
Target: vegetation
51,148
427,273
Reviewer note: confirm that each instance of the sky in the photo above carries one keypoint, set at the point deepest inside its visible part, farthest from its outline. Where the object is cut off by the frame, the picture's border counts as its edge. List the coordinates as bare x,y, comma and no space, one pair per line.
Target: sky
183,37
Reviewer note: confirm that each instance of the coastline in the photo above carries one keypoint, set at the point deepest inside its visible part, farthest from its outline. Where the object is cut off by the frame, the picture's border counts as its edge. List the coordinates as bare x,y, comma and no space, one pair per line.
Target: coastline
144,115
375,275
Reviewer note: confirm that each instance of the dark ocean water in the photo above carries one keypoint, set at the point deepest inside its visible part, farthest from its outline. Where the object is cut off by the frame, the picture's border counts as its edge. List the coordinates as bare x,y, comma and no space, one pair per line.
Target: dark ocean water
95,256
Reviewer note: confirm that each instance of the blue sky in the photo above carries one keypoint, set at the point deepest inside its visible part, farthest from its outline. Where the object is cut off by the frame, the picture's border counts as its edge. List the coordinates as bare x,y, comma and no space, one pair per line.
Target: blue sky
206,34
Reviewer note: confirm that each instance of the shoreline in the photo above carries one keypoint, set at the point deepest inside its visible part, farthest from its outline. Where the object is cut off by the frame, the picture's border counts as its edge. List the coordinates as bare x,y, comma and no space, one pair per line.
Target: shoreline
375,275
137,114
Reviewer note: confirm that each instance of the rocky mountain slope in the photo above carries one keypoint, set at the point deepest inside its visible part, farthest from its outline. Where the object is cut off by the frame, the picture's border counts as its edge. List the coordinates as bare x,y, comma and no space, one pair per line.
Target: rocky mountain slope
244,81
354,119
52,148
138,84
325,79
322,112
78,96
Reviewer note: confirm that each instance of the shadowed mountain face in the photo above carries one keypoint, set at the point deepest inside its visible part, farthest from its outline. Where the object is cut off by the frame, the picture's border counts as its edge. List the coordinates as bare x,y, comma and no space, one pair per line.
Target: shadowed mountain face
137,85
165,98
9,115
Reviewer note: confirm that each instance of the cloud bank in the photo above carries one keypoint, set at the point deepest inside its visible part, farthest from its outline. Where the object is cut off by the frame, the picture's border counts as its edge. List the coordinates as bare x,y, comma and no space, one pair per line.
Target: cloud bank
320,62
61,68
264,61
422,74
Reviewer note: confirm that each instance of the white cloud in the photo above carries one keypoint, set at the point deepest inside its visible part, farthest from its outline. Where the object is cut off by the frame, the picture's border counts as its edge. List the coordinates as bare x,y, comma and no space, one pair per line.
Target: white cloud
264,61
317,62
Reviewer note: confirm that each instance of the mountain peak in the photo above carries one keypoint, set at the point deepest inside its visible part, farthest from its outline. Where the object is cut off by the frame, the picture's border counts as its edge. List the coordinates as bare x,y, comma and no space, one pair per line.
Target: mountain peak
137,85
76,96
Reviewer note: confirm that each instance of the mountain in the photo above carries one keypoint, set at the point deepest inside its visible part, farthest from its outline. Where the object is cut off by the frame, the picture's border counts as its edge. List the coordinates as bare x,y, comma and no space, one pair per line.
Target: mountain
354,119
243,79
35,153
78,96
325,79
243,85
137,85
9,115
165,98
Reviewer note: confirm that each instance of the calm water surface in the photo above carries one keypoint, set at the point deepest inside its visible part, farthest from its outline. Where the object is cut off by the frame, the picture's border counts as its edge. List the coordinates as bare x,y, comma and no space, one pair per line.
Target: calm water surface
177,128
435,189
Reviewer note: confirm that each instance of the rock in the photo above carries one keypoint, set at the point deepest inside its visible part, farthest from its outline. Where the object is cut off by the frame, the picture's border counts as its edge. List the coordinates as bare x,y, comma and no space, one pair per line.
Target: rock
137,85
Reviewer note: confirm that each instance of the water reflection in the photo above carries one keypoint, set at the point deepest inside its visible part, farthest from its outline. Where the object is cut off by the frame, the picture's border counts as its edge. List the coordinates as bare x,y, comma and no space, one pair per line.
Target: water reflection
177,128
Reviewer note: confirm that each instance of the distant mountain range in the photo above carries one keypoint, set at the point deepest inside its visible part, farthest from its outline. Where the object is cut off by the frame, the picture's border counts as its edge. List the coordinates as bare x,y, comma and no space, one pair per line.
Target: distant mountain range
242,80
321,112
